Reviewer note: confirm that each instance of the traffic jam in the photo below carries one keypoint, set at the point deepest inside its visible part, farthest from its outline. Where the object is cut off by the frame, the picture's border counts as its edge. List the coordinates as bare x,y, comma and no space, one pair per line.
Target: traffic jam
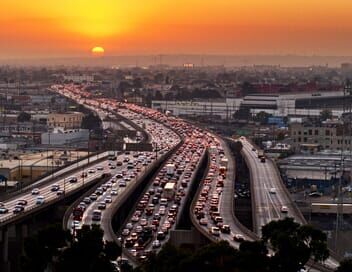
50,191
207,209
157,211
125,168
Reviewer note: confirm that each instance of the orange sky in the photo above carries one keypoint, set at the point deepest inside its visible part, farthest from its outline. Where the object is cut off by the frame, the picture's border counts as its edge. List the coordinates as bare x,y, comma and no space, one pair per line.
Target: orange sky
42,28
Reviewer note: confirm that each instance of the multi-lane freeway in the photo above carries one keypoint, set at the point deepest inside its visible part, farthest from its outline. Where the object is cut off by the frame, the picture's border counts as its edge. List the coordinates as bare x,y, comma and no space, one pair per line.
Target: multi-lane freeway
158,209
43,193
271,200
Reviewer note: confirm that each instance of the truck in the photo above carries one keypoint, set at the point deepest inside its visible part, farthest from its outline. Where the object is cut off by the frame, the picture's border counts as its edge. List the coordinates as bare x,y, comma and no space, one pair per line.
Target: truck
260,153
212,149
112,156
169,190
170,168
224,162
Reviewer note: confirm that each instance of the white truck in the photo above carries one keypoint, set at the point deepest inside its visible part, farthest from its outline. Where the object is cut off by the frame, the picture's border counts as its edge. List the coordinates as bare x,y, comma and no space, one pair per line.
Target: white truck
224,162
169,190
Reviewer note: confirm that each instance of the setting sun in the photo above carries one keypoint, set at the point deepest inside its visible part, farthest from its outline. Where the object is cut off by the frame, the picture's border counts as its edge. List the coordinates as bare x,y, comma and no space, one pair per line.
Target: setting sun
98,51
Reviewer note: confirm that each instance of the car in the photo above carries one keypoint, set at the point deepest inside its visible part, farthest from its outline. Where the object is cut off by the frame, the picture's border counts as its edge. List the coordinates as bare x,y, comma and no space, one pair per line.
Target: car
215,231
203,222
253,149
75,224
114,192
129,226
40,200
160,236
22,202
143,222
315,194
35,191
100,168
156,244
108,199
238,237
225,229
139,229
18,209
93,197
60,192
102,206
122,183
84,174
72,179
125,232
284,209
3,210
119,163
87,200
96,215
91,171
55,187
112,166
272,191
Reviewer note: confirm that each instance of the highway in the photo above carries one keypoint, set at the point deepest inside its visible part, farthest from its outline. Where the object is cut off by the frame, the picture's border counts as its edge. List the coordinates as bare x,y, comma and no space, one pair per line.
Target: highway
113,188
270,195
64,185
212,209
270,198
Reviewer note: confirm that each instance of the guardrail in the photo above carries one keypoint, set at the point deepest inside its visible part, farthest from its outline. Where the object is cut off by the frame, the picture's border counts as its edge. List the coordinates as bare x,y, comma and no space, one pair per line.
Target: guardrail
59,174
17,217
319,266
162,160
69,210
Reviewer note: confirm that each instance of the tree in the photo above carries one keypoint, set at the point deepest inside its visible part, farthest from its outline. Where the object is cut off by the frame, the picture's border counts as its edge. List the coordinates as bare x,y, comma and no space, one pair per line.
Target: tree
158,95
91,122
325,114
345,266
294,245
55,248
247,88
40,249
242,114
262,117
23,117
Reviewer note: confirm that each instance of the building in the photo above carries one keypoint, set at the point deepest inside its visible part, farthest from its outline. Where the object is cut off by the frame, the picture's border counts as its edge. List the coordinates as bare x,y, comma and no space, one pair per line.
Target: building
79,78
309,136
70,137
65,120
223,108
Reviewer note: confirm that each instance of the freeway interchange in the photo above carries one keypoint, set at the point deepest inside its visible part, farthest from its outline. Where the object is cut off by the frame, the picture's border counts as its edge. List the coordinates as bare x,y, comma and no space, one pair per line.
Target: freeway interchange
180,147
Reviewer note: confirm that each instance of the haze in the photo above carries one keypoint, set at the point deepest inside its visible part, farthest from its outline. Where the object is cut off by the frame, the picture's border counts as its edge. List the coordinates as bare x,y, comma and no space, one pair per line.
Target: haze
42,28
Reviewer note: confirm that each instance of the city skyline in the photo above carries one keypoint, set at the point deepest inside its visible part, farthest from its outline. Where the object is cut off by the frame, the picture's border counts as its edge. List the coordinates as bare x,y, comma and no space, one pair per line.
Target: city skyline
40,29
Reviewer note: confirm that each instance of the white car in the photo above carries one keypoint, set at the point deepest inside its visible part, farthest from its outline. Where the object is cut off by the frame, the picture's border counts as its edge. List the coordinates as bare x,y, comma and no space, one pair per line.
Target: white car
272,191
284,209
114,192
91,171
156,244
35,191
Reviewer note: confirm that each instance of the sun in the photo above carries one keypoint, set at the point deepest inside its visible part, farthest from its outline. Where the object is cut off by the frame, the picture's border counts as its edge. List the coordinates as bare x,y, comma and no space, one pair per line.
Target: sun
98,51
